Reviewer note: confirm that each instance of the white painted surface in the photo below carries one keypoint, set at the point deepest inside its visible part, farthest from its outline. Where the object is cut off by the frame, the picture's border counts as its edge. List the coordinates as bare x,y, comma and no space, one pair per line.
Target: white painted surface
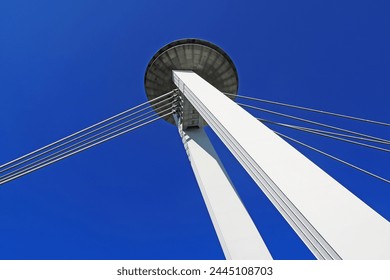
331,221
235,229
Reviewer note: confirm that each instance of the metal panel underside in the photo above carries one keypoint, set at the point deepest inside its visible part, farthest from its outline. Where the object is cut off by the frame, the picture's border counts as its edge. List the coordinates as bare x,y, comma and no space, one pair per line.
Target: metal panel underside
204,58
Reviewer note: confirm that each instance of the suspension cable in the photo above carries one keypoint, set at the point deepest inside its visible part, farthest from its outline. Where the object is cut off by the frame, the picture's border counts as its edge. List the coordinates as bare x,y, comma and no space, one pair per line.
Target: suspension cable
78,150
48,149
308,130
316,123
88,128
331,132
77,145
82,143
312,110
334,158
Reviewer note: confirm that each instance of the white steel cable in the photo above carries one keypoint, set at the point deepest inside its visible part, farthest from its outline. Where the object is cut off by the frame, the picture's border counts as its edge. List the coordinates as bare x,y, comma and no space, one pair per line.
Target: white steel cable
316,123
334,158
308,130
42,152
5,180
312,110
331,133
86,129
76,146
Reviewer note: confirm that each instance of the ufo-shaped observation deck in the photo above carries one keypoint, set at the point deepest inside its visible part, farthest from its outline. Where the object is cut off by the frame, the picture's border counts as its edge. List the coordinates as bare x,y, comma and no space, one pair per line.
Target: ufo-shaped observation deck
204,58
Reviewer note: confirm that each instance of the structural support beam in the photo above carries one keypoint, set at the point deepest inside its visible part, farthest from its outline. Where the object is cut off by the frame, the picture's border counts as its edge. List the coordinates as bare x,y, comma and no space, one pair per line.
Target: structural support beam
235,229
332,222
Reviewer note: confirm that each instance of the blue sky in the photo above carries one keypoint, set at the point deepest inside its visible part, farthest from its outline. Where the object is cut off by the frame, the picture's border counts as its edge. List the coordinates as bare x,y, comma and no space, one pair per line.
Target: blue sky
65,65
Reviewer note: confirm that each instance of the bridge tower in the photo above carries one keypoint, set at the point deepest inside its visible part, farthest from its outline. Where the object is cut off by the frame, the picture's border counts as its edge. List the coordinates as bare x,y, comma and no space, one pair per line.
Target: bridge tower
331,221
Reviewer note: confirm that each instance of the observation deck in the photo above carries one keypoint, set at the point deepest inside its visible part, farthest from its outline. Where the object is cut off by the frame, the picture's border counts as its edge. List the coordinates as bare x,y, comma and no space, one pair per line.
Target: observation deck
204,58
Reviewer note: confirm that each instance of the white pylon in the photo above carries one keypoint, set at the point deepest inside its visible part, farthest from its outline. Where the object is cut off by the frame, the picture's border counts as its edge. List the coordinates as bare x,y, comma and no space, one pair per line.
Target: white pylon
332,222
237,234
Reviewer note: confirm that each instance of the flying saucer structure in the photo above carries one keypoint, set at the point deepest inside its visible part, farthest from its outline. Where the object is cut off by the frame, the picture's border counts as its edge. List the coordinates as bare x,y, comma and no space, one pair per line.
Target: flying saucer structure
202,57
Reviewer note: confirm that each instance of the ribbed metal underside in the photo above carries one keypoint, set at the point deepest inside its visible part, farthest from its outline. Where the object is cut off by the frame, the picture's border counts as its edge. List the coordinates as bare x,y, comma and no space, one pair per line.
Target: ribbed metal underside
204,58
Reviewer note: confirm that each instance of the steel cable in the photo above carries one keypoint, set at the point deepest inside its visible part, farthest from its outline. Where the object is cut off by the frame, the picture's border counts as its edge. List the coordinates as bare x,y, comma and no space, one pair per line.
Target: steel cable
47,150
77,145
77,150
332,133
334,158
316,123
86,129
308,130
311,110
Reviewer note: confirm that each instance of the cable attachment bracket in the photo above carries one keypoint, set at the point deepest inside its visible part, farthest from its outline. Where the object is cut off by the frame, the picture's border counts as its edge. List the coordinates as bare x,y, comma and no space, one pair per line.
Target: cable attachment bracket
177,107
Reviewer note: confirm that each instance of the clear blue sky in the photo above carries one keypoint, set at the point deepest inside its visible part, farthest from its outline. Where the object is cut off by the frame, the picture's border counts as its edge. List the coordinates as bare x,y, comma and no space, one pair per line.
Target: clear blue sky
65,65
